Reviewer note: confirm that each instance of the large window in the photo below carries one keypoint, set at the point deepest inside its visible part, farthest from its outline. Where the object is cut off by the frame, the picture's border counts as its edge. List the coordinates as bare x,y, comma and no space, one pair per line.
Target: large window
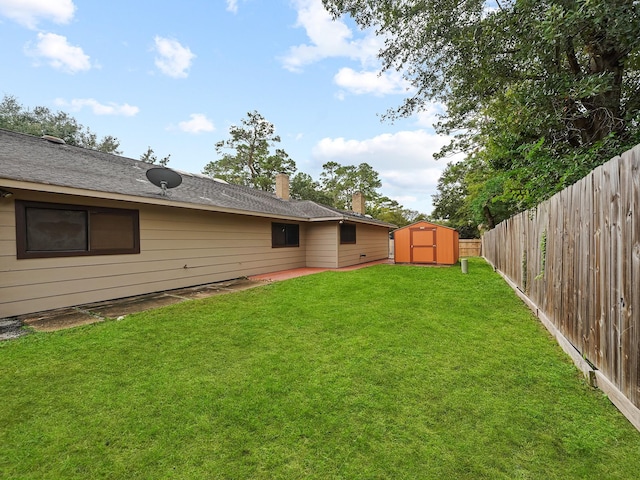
285,235
54,230
347,233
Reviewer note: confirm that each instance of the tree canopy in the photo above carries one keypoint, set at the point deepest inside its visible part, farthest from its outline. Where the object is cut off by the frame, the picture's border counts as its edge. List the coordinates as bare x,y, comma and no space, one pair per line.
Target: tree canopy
537,92
150,157
42,121
388,210
304,187
251,160
340,182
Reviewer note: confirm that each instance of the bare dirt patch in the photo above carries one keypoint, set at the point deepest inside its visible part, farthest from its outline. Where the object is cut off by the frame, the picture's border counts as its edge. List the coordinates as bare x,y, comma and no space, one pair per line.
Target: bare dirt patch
96,312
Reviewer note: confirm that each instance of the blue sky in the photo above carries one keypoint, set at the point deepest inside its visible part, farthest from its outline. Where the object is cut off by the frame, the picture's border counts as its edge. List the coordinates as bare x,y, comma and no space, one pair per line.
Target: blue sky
175,75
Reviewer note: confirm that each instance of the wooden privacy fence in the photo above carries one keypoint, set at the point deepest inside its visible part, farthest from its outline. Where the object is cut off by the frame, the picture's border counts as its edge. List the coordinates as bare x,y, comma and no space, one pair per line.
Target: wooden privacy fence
470,248
576,258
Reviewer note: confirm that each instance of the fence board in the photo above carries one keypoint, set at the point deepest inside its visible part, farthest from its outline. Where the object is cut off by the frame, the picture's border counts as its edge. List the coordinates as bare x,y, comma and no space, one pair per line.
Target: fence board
554,262
586,290
626,277
598,252
614,264
606,324
634,300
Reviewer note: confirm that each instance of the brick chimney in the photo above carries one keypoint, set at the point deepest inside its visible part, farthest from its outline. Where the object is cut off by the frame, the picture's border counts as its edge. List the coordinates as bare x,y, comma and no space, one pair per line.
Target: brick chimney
282,186
357,203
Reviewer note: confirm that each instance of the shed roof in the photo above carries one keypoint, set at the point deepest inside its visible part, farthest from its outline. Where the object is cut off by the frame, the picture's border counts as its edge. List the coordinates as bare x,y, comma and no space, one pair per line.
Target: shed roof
421,222
38,164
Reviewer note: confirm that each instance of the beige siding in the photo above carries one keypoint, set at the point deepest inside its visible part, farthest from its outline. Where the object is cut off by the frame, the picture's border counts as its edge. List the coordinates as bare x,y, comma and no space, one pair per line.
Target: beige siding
179,248
7,241
322,245
372,243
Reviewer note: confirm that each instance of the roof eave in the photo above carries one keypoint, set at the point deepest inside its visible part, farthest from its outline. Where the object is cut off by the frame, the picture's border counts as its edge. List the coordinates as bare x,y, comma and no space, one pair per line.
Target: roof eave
352,219
165,201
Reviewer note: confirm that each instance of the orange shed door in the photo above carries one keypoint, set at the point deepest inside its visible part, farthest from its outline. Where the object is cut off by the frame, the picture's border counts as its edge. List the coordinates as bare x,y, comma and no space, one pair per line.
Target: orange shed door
423,245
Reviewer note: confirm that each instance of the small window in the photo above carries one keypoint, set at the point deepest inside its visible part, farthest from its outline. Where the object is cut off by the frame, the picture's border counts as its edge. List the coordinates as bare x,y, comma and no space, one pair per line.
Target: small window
285,235
53,230
347,233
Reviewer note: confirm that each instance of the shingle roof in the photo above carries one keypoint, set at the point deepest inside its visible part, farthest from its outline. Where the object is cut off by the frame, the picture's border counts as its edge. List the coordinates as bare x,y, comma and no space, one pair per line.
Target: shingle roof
27,158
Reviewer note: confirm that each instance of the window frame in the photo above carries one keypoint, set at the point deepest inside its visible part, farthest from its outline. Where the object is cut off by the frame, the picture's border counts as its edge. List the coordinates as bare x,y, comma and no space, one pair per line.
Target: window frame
22,251
343,233
294,227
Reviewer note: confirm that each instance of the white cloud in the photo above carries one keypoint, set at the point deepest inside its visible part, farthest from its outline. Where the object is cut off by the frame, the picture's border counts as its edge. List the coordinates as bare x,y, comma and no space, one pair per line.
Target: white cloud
428,116
415,180
408,149
404,160
56,50
328,38
98,108
367,82
30,12
173,59
199,123
232,6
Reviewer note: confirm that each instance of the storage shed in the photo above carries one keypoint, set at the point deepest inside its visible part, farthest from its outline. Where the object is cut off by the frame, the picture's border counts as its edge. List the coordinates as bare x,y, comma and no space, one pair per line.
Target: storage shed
426,243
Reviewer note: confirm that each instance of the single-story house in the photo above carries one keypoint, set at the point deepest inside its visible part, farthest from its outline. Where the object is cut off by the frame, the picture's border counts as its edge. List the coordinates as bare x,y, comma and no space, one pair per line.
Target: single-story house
80,226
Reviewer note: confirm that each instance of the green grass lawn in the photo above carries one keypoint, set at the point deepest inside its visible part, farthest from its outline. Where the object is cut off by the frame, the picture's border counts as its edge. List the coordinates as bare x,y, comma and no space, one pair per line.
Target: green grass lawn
389,372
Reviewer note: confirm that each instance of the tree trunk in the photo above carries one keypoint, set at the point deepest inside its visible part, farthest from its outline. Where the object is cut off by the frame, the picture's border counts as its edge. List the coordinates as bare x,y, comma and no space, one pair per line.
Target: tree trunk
491,221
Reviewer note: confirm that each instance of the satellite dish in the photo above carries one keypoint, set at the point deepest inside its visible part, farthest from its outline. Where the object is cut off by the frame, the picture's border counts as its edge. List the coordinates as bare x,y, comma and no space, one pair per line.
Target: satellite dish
164,178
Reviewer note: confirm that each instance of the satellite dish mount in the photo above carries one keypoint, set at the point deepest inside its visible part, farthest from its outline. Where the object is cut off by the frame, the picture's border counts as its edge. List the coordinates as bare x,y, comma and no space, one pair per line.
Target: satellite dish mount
163,177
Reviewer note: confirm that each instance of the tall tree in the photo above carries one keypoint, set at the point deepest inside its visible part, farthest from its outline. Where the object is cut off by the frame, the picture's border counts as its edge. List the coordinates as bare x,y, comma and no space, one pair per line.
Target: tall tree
340,182
542,90
304,187
251,161
42,121
388,210
452,190
150,157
